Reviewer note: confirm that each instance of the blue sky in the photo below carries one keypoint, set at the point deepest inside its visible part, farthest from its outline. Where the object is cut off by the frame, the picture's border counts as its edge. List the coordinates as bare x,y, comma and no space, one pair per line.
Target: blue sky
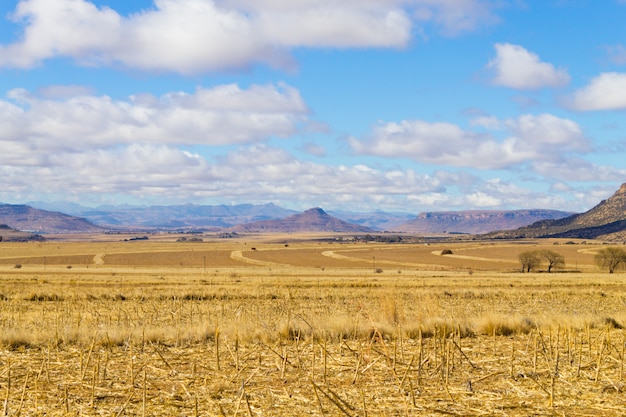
394,105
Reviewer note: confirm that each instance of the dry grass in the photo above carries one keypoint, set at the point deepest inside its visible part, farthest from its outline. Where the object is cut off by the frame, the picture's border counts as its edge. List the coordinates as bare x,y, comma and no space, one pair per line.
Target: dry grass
219,336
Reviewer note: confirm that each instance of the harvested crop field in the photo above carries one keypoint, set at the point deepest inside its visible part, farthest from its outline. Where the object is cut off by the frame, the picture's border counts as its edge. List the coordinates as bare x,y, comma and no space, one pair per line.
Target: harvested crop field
219,328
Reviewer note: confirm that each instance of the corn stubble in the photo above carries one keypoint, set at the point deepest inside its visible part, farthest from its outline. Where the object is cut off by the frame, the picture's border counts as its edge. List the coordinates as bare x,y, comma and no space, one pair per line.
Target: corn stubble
257,340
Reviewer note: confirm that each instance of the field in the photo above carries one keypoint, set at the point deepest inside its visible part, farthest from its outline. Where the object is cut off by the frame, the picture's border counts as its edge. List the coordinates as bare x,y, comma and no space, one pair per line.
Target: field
296,325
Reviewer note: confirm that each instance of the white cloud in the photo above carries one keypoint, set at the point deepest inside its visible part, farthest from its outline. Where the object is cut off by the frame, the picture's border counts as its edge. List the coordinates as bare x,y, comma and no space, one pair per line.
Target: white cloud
221,115
531,138
548,133
195,36
480,199
605,92
192,36
516,67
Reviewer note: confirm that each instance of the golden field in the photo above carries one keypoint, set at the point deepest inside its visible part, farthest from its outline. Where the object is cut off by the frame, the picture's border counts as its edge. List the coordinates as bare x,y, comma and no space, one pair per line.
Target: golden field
291,325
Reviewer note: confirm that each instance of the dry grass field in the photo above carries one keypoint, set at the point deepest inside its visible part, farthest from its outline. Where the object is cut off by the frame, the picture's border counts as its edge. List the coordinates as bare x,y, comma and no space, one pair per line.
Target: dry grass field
274,326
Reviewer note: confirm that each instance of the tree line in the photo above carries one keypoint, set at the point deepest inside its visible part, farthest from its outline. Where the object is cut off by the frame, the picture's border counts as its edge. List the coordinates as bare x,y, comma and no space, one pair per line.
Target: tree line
610,258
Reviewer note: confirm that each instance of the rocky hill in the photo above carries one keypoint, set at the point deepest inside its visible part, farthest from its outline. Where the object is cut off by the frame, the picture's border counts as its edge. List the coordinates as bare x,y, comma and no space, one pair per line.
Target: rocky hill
476,221
607,221
29,219
312,220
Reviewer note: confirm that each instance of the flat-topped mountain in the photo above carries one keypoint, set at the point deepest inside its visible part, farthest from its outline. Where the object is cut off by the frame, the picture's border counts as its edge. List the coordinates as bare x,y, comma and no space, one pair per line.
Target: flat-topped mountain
27,218
476,221
607,220
312,220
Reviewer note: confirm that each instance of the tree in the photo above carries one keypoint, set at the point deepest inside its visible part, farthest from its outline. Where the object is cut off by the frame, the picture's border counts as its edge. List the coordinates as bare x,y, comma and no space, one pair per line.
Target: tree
611,258
529,260
555,260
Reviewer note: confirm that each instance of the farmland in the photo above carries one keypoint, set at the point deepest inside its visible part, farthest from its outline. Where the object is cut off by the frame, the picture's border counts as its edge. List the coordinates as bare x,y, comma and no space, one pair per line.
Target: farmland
282,326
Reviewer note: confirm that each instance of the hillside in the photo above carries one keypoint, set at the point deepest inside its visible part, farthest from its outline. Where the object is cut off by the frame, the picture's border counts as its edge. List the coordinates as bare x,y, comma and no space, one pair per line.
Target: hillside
29,219
607,220
8,234
476,221
312,220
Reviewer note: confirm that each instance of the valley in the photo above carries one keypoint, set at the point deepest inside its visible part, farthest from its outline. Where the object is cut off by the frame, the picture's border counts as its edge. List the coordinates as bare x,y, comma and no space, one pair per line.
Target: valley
304,324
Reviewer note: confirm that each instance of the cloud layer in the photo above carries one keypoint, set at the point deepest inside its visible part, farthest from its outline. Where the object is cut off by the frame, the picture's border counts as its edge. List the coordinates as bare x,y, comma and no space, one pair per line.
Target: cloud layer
218,116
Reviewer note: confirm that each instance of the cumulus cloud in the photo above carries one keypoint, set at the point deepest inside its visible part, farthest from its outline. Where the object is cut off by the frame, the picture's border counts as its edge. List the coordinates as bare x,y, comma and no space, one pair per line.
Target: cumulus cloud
531,138
516,67
195,36
220,115
607,91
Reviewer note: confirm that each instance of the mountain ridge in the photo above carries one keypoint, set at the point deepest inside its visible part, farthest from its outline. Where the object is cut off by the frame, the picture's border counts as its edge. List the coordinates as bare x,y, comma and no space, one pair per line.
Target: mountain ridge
606,220
476,221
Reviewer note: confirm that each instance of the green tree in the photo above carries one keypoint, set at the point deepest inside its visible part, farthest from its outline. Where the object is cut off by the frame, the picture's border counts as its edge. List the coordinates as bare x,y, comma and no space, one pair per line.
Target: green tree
529,260
611,258
555,260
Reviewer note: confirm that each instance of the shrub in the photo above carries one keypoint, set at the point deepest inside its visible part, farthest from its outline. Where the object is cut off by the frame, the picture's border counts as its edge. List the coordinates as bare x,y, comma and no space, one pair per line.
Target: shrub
446,252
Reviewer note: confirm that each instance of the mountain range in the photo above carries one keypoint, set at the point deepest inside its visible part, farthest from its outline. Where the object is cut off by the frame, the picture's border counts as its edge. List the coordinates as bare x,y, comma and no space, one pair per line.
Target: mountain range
607,220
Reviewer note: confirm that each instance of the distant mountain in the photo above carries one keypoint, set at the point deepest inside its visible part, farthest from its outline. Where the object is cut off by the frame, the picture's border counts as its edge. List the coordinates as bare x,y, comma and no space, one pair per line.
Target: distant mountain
73,209
476,221
29,219
607,220
184,216
312,220
206,216
378,220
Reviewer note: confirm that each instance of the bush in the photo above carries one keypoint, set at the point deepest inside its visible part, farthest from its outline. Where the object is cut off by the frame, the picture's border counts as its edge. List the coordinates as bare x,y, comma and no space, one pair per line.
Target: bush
446,252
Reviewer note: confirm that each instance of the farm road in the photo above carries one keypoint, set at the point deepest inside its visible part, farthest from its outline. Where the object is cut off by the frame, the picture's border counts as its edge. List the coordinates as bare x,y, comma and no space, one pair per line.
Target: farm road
98,259
475,258
238,256
335,255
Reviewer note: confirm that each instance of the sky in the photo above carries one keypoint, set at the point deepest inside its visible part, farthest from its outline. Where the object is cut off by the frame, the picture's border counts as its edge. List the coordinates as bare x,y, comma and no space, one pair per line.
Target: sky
360,105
